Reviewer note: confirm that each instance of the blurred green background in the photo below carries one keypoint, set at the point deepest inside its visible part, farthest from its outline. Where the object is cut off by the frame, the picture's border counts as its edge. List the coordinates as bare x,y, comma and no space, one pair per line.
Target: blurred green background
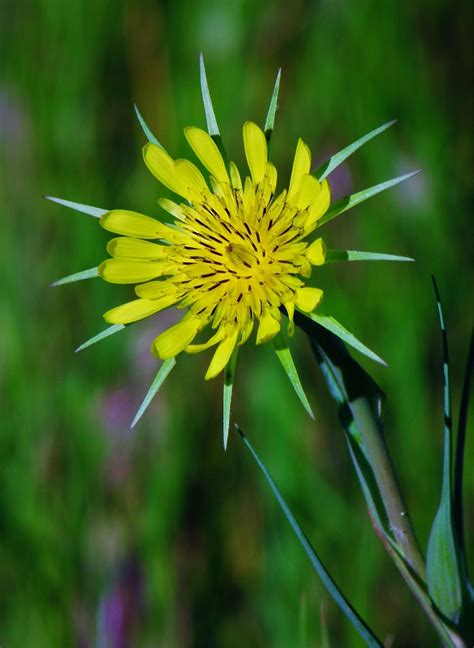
157,537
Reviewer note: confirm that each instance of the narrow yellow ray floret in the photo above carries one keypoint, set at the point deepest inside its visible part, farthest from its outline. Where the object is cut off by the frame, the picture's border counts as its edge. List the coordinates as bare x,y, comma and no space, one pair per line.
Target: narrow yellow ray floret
236,255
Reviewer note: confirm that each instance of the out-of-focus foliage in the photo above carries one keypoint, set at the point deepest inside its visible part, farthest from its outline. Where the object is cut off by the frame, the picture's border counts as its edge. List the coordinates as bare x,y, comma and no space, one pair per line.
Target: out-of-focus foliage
155,536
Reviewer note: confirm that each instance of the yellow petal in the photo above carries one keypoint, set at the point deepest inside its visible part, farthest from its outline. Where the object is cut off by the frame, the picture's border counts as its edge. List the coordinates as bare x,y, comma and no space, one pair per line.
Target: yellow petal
301,167
309,189
268,328
137,309
222,355
191,177
206,150
172,208
272,176
133,248
162,166
235,176
155,289
197,348
316,252
255,146
129,223
308,298
175,339
129,271
319,205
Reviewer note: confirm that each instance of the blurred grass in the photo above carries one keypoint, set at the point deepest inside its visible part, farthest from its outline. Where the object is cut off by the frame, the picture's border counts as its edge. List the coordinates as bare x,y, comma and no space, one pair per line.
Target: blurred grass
159,527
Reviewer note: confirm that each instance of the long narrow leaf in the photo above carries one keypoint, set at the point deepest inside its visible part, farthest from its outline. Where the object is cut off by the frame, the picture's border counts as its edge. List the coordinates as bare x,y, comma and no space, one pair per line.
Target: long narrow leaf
270,119
333,325
459,463
359,624
97,212
148,134
442,561
357,255
160,378
77,276
229,373
284,355
115,328
342,205
338,158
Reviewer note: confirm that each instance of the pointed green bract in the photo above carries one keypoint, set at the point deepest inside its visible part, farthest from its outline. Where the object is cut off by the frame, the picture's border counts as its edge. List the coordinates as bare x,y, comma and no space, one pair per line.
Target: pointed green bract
148,134
229,373
344,204
115,328
77,276
359,624
284,355
97,212
333,256
212,127
442,560
333,325
160,378
338,158
270,119
211,121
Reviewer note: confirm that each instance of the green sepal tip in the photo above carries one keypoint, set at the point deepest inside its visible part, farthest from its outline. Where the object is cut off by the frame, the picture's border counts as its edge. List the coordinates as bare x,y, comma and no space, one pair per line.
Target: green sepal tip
148,134
333,256
160,378
77,276
115,328
229,373
284,355
97,212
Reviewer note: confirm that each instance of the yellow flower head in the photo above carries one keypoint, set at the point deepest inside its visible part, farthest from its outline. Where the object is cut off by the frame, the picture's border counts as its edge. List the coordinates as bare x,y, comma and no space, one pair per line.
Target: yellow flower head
235,256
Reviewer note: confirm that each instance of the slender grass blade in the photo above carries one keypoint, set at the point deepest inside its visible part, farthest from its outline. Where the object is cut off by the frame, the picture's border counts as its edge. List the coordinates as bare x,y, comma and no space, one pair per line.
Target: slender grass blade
358,623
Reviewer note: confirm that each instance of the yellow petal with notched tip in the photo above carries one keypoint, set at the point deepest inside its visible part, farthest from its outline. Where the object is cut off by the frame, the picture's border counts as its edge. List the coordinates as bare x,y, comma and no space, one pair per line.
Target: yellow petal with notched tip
267,328
301,167
222,355
320,204
206,150
255,146
172,208
137,310
129,223
175,339
162,166
316,252
133,248
308,298
190,176
128,271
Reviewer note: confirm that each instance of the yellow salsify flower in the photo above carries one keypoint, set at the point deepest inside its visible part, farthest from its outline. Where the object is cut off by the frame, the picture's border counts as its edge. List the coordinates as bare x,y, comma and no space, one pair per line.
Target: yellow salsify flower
236,255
